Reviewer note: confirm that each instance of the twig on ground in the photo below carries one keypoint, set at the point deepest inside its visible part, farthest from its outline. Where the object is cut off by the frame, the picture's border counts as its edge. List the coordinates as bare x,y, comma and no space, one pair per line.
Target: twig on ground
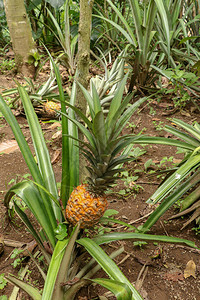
161,223
139,281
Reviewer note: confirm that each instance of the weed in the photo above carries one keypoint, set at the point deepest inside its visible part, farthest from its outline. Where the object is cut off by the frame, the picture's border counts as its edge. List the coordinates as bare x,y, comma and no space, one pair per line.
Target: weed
159,125
4,297
196,230
133,126
139,244
130,184
7,65
162,165
18,261
152,111
3,281
137,152
181,79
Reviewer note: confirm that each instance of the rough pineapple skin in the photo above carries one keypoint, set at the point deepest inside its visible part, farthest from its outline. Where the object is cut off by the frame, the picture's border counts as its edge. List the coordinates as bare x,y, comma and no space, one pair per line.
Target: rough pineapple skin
49,107
85,206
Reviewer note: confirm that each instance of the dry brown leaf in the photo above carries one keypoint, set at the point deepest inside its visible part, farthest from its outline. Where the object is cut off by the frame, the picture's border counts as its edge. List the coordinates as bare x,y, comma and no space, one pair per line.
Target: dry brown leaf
190,269
156,161
56,156
8,146
177,161
174,276
185,113
54,125
57,135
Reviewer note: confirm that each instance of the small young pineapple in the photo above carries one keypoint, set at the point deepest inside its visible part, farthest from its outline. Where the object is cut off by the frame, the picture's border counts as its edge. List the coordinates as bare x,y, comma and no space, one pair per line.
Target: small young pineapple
51,108
87,203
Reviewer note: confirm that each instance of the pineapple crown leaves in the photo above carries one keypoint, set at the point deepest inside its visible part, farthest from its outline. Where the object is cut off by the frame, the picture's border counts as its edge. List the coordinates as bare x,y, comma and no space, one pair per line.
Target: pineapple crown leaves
114,109
107,127
102,133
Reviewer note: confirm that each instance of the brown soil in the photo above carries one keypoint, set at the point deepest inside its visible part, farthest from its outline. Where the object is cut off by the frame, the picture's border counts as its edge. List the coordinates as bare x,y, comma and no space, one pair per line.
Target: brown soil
164,278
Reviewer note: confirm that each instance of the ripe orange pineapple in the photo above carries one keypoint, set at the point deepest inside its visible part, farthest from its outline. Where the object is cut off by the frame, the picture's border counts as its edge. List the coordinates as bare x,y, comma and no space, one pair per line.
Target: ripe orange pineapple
86,206
87,203
51,108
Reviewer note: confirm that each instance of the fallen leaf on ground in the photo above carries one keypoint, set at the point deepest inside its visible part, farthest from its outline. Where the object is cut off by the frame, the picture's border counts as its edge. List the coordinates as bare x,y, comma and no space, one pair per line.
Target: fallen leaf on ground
57,135
54,125
155,119
190,269
185,113
56,156
8,146
175,276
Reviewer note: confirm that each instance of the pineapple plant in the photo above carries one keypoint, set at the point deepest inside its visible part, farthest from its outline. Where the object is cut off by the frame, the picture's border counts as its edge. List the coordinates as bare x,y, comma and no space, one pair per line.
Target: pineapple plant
87,202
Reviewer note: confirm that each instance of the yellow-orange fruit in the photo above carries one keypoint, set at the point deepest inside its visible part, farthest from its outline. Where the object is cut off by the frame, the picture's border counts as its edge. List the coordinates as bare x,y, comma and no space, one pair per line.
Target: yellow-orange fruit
84,206
50,108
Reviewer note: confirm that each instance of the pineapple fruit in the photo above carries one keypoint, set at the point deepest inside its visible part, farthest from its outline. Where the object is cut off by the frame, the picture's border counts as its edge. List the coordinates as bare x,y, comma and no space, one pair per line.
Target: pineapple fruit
51,108
87,203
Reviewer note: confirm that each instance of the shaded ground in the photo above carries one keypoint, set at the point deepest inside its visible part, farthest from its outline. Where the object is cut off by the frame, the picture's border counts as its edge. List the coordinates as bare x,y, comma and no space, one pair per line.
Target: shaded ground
164,274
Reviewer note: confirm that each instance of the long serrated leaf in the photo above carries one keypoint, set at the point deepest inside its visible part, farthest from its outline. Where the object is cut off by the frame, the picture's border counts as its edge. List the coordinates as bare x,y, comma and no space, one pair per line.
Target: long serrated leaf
32,230
85,131
124,22
78,112
65,182
73,144
105,220
119,289
88,99
148,33
29,289
30,161
41,151
183,136
58,29
170,200
27,191
189,128
64,265
137,22
111,127
53,270
192,163
164,141
116,101
111,237
99,130
130,38
107,264
163,15
96,99
23,145
126,116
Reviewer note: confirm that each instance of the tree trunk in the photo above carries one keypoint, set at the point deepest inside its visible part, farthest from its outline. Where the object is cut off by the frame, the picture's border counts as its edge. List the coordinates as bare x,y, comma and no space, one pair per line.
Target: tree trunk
82,72
21,35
